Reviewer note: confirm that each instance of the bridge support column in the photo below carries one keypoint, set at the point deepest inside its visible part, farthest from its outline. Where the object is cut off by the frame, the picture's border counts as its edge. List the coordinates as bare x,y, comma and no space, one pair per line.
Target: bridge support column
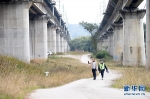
65,45
52,39
99,46
38,38
134,48
110,35
14,30
106,43
102,44
61,43
68,47
118,42
58,41
148,34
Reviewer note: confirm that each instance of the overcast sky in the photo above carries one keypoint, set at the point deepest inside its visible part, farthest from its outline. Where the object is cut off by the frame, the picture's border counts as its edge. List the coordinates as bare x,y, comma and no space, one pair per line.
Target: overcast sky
75,11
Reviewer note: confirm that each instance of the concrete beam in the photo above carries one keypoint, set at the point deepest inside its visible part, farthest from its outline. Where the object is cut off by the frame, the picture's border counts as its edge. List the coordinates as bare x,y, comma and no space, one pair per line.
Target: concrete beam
138,3
38,8
117,18
32,11
37,1
112,18
128,2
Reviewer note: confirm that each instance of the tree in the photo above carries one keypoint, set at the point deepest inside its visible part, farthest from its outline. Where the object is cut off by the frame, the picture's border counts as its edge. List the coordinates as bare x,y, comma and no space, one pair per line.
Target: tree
92,29
81,43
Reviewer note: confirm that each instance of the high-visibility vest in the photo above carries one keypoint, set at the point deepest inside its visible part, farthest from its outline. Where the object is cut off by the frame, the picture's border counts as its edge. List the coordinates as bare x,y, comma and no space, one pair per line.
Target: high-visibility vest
101,66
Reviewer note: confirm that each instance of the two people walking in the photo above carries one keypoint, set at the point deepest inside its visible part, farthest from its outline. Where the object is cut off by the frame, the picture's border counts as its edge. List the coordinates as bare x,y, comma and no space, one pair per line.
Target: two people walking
101,68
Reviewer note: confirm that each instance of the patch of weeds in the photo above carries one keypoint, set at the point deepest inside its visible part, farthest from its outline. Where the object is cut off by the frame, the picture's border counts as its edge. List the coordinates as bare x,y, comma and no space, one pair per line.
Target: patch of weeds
53,57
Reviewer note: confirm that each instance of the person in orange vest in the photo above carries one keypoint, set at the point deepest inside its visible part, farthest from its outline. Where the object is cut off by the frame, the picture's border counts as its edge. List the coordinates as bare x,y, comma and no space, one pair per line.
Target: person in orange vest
101,68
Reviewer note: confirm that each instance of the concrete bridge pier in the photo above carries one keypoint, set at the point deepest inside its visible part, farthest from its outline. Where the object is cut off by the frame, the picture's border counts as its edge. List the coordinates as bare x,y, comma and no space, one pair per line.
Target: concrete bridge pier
52,38
102,44
14,30
106,43
38,37
68,48
148,34
99,44
111,42
65,45
134,49
61,42
58,40
118,42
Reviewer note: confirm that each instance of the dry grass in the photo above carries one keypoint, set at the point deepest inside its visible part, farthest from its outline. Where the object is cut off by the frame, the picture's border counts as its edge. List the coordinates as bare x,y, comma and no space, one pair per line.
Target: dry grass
38,61
78,52
18,78
130,75
134,76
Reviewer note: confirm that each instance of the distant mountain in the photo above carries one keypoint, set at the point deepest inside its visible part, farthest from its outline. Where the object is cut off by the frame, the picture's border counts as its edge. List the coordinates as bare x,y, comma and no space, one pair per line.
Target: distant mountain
76,30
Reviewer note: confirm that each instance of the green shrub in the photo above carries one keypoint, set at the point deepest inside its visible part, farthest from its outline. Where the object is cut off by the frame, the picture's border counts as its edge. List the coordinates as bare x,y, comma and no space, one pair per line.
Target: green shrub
102,54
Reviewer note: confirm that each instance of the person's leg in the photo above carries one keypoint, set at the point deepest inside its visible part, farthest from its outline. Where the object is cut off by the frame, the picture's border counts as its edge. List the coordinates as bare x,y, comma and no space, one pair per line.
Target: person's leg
94,74
102,73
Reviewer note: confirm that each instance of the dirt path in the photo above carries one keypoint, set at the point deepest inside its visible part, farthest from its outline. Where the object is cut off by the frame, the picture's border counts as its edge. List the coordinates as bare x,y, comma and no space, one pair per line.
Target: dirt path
82,58
86,88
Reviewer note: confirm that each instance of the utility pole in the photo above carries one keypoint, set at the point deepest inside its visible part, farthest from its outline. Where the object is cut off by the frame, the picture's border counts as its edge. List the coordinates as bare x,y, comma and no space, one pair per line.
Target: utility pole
103,6
63,12
100,13
59,6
